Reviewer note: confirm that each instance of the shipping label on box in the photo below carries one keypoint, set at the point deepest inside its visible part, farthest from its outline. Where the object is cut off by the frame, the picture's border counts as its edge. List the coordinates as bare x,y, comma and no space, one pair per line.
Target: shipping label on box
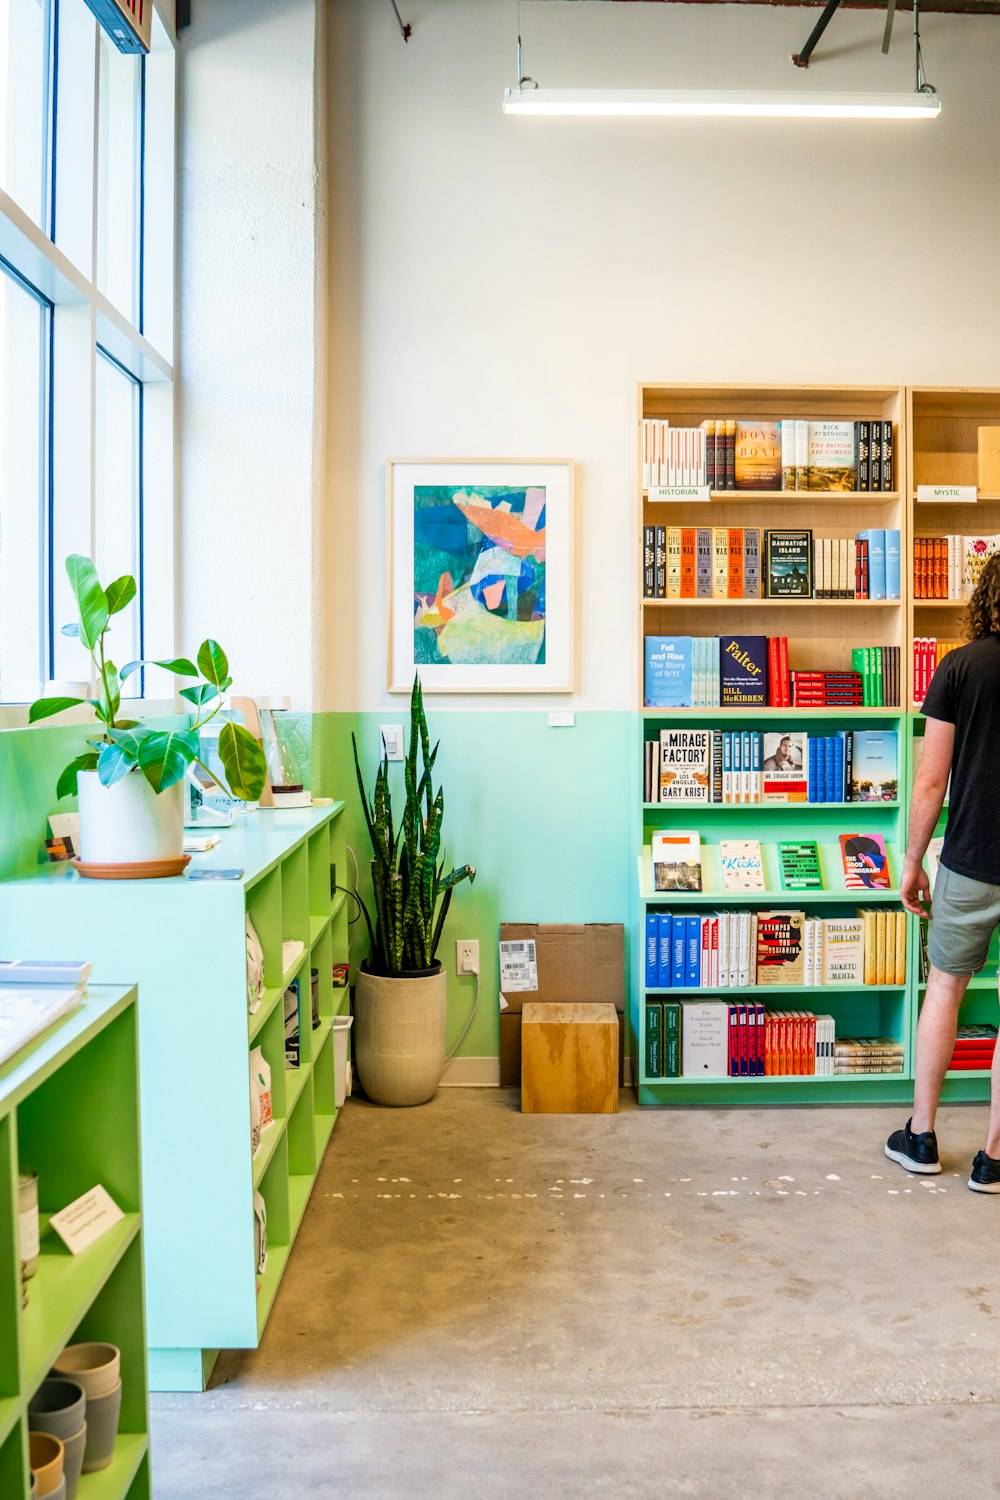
518,966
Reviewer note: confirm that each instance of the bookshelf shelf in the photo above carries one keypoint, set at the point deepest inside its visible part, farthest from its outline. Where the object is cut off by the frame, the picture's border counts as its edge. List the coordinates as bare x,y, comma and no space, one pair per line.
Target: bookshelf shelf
779,809
195,1037
771,604
789,497
710,715
69,1112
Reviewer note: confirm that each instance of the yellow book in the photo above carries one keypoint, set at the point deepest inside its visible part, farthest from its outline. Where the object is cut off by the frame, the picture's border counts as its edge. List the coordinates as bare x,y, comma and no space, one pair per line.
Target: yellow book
900,948
989,460
868,918
673,562
720,562
881,924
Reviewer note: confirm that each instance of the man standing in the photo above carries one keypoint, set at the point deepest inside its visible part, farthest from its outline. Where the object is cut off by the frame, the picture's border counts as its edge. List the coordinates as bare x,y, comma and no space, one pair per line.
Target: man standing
961,740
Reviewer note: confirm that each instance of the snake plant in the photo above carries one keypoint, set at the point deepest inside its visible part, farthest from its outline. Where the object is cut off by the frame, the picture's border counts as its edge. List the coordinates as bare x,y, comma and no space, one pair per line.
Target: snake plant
412,892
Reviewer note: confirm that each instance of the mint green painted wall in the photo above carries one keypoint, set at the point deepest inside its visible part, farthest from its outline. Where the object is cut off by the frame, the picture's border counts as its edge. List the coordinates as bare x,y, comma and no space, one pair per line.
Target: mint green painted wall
542,814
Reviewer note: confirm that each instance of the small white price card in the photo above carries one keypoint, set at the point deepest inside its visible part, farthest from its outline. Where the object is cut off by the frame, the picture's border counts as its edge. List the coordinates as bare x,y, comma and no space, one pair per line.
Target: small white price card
947,494
687,492
82,1222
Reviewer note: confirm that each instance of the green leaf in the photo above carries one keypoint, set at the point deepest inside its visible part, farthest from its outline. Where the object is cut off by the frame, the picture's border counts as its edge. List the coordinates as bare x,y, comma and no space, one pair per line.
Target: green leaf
66,785
128,669
213,663
72,630
120,593
243,760
128,740
113,763
203,693
180,664
91,599
125,724
164,757
44,708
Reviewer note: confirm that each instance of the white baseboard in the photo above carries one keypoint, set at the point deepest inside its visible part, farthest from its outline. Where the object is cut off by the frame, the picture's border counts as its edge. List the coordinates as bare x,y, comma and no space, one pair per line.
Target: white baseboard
471,1073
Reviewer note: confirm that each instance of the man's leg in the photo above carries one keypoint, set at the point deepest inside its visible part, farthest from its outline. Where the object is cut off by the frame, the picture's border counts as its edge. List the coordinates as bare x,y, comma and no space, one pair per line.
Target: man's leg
936,1031
993,1135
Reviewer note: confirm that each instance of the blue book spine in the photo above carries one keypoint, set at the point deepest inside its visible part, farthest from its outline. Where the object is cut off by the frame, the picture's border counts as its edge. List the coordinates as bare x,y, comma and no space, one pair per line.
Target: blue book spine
813,756
664,958
830,776
821,770
756,784
652,949
692,953
892,564
727,767
698,670
677,935
841,767
876,563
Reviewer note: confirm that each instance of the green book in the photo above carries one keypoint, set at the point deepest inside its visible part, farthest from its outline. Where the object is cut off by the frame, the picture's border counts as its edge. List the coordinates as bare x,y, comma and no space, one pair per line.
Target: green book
879,682
799,865
654,1040
671,1039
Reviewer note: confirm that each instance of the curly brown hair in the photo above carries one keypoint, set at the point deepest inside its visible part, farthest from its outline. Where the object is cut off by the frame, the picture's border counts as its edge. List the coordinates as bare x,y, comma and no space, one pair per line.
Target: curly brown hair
983,616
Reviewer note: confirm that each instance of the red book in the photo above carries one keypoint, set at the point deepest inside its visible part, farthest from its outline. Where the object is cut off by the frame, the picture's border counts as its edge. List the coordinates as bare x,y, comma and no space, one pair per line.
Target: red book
969,1064
773,700
785,701
734,1066
688,562
736,562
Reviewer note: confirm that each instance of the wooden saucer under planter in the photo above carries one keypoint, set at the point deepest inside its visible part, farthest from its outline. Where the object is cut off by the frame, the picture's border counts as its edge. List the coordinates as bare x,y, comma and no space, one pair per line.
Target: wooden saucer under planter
151,869
399,1035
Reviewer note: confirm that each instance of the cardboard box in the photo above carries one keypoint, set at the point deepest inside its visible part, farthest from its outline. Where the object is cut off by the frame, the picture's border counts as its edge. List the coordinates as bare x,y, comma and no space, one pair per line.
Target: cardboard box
510,1050
568,1059
575,963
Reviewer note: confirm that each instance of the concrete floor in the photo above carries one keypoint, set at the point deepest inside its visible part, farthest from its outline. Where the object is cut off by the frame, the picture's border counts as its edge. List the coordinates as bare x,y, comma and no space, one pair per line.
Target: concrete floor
663,1303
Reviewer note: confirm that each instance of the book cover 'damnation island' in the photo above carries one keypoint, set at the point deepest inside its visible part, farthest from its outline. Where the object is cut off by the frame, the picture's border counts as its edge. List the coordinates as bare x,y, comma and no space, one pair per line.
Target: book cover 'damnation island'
743,671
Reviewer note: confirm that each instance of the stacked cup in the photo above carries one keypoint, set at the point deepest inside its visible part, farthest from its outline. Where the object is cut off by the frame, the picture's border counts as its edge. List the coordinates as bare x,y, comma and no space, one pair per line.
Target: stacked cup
97,1368
46,1459
57,1410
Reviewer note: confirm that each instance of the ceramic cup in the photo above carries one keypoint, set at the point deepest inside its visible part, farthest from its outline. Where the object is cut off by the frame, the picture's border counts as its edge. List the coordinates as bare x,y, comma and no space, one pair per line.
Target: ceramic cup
73,1450
97,1367
34,1486
102,1429
58,1407
28,1221
46,1457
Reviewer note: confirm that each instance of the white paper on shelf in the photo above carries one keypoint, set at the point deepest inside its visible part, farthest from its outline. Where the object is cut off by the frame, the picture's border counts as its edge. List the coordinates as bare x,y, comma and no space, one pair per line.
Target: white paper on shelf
291,951
84,1220
26,1013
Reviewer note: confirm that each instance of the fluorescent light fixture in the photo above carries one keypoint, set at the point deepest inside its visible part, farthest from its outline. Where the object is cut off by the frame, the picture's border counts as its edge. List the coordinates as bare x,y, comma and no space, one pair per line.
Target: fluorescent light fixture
923,104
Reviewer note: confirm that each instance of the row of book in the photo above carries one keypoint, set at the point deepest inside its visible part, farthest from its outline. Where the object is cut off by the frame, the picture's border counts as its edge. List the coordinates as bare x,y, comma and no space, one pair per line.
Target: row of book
928,654
753,671
743,1040
755,766
974,1047
676,859
949,567
762,453
722,950
746,562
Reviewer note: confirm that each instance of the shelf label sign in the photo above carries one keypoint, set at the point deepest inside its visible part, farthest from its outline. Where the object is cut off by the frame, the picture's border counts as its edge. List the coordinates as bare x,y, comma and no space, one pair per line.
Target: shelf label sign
686,492
83,1221
947,494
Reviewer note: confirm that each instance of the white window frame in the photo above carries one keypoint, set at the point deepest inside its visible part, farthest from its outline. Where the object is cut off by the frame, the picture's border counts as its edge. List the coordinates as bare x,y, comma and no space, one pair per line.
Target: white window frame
63,271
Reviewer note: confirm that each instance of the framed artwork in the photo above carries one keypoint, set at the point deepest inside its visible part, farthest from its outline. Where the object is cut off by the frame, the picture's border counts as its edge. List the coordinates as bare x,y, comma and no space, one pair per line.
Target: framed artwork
480,583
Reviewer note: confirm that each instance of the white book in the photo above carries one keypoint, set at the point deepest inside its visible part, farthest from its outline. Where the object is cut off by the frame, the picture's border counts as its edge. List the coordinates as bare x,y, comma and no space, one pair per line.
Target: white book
26,1013
744,969
787,431
934,849
647,455
843,951
742,865
807,952
705,1039
801,455
723,980
39,971
734,948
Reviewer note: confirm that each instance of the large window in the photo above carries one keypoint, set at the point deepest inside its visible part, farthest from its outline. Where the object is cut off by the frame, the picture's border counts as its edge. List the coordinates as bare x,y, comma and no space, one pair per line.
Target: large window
86,322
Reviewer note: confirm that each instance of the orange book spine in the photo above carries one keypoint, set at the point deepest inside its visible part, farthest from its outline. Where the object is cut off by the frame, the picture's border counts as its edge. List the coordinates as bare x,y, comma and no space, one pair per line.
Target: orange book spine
689,537
736,562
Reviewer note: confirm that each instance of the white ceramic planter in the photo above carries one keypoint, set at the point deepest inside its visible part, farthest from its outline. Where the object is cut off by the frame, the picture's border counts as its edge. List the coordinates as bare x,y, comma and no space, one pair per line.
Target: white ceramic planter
128,823
399,1036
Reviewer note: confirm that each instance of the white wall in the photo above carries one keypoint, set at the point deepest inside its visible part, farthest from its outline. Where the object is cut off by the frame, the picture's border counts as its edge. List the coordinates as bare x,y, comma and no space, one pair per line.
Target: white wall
249,342
501,285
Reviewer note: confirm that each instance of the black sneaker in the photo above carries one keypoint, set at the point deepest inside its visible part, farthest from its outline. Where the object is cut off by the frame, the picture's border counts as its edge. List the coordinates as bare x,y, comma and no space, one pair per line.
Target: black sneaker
985,1174
919,1153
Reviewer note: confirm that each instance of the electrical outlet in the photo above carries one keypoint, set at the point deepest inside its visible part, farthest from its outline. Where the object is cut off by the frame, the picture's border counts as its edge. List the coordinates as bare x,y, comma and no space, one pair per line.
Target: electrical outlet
467,956
392,741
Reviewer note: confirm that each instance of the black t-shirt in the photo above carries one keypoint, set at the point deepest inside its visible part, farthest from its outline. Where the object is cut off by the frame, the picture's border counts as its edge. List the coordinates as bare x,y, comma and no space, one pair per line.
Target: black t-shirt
965,691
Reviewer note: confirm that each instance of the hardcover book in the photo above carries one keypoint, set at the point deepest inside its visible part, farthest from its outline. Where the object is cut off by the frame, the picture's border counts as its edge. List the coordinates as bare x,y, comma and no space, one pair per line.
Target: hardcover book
799,865
788,564
668,671
742,865
743,671
866,865
705,1039
843,950
685,765
676,860
832,456
874,776
785,766
780,959
758,455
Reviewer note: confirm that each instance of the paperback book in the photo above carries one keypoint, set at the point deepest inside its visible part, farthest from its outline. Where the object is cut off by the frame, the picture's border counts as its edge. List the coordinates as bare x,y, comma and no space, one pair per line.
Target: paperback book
788,564
742,865
685,762
779,947
799,866
676,860
866,864
784,766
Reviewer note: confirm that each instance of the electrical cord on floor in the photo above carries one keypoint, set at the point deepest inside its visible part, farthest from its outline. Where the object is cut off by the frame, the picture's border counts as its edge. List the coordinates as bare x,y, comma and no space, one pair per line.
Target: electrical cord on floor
465,1029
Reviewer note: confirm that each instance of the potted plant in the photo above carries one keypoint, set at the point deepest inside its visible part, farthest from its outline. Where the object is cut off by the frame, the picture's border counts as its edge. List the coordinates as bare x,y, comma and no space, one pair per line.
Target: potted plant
401,999
130,779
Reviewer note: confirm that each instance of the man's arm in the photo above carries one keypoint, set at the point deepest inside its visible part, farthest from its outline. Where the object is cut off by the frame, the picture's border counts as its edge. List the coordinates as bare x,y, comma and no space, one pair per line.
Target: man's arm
925,809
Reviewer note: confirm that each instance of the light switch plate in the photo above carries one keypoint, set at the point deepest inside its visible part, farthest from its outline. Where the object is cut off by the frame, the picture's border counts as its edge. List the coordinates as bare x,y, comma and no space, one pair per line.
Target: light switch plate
562,720
392,739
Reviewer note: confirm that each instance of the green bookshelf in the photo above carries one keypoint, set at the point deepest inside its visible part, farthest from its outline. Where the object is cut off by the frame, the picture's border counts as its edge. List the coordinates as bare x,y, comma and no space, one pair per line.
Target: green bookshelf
69,1111
184,943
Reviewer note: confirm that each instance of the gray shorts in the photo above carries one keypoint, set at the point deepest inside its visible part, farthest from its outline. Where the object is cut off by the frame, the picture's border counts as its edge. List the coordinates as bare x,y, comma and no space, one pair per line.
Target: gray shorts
964,917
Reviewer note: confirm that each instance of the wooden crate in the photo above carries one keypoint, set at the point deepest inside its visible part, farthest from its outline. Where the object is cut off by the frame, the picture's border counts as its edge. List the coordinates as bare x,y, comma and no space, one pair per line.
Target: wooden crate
569,1059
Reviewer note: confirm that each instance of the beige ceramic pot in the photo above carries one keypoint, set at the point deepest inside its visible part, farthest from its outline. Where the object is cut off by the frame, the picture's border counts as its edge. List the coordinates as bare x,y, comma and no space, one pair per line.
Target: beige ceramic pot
399,1035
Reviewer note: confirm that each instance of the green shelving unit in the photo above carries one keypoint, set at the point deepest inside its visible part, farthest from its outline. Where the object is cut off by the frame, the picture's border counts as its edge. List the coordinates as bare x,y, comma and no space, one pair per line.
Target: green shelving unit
69,1111
184,943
